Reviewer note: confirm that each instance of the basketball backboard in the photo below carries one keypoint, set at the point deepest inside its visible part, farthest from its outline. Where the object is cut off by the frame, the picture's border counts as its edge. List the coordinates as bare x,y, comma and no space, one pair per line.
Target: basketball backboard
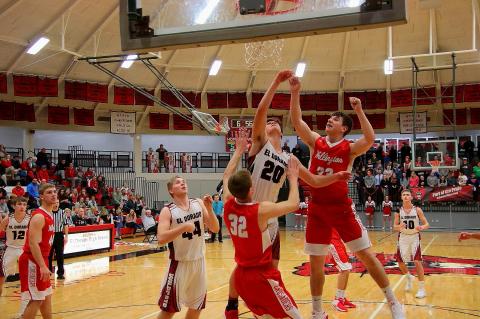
148,25
435,154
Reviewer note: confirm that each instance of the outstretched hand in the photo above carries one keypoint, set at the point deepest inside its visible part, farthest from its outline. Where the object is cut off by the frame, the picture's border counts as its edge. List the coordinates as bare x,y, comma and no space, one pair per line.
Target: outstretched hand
207,200
355,103
293,168
464,236
283,75
295,84
241,139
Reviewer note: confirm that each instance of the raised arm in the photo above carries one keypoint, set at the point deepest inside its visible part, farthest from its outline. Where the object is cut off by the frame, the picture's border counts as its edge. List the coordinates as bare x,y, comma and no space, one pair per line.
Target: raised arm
267,210
260,120
363,144
421,216
317,181
240,148
209,217
304,132
465,236
164,233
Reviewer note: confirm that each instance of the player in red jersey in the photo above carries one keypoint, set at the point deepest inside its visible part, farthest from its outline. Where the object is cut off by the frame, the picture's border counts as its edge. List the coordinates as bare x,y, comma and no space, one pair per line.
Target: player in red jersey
330,206
33,263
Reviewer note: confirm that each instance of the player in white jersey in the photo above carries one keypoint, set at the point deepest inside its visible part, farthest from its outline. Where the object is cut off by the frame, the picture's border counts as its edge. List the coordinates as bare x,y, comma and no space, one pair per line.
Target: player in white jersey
409,221
181,225
15,226
268,164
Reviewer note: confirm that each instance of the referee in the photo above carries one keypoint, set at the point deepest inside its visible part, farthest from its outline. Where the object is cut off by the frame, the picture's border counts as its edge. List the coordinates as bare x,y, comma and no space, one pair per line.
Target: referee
59,240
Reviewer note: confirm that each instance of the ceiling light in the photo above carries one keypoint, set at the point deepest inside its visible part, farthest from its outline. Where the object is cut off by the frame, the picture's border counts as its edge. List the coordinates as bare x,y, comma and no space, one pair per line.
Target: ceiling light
129,61
388,66
215,67
300,69
206,12
38,45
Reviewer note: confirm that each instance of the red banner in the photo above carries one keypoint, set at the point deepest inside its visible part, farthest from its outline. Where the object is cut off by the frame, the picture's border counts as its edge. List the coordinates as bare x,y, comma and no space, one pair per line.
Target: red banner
448,91
281,101
3,83
194,98
83,117
24,112
461,117
7,111
307,102
237,101
143,100
24,85
159,121
377,121
58,115
322,121
47,87
375,100
179,123
217,100
475,116
327,102
123,95
75,90
97,93
256,98
308,119
168,98
471,93
402,98
444,194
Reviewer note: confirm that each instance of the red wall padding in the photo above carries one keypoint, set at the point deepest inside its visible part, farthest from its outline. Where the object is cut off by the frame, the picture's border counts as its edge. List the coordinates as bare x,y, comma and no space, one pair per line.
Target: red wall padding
461,117
159,121
58,115
180,123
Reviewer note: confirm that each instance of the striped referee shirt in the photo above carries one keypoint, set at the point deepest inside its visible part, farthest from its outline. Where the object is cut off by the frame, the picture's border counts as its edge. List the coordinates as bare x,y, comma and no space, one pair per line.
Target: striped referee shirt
59,221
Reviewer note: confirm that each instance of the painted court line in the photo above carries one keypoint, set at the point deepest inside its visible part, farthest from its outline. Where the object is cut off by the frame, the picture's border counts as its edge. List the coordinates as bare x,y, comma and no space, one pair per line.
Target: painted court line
208,292
380,306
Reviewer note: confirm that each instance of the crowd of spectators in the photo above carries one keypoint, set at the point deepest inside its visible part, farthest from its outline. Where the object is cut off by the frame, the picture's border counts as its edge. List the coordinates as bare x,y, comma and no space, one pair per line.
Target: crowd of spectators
84,195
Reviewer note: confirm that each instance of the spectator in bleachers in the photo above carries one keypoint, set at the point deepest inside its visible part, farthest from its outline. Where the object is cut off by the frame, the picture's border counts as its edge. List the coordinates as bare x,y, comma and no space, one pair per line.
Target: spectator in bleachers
73,196
83,196
385,185
10,171
404,181
4,211
161,157
68,217
360,186
92,186
130,204
462,179
451,179
18,190
81,175
379,152
394,189
31,174
443,181
421,181
32,189
131,221
42,174
414,180
3,192
42,158
118,223
378,188
71,175
405,151
369,181
476,169
388,171
432,180
61,167
63,198
117,197
475,182
393,154
469,146
286,148
297,151
149,223
150,160
465,167
92,203
80,219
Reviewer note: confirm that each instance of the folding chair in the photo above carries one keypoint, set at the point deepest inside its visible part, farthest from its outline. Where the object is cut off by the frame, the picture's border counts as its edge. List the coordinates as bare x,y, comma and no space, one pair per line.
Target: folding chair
150,236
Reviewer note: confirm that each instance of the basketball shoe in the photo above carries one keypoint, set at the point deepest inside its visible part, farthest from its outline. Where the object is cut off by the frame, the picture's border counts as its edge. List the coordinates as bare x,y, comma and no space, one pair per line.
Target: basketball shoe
397,310
348,304
408,286
319,315
420,294
338,305
231,314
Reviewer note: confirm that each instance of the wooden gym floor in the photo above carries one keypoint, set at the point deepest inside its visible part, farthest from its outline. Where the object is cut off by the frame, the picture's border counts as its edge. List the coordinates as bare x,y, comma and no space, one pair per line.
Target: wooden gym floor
125,283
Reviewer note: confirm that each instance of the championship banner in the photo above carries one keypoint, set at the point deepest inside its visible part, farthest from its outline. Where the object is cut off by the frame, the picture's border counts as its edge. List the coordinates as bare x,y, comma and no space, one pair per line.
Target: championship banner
122,123
406,123
444,194
235,125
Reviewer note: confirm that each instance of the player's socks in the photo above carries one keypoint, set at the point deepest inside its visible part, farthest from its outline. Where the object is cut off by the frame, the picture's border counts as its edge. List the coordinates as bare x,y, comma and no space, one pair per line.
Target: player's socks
317,303
340,293
232,304
388,292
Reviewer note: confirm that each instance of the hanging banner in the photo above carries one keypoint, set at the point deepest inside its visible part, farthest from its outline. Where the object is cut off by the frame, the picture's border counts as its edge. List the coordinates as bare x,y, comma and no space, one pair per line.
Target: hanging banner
235,124
443,194
122,123
406,123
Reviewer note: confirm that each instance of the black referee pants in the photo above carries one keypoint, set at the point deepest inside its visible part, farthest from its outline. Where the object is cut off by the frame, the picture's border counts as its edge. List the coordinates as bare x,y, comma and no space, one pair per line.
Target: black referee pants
57,248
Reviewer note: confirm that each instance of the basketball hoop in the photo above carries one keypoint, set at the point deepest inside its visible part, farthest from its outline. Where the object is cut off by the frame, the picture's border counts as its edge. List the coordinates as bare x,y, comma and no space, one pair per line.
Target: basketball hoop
257,53
210,124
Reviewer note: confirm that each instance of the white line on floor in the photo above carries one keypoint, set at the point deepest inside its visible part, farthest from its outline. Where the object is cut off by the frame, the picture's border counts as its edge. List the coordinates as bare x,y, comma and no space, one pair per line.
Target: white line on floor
380,306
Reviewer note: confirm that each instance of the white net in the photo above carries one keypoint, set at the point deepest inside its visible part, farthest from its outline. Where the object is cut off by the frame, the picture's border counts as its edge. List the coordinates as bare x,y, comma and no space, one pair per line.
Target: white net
261,52
210,124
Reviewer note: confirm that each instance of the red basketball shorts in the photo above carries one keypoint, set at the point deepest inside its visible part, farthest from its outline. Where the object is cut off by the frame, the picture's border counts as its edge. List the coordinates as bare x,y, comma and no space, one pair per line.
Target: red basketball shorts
32,287
338,255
